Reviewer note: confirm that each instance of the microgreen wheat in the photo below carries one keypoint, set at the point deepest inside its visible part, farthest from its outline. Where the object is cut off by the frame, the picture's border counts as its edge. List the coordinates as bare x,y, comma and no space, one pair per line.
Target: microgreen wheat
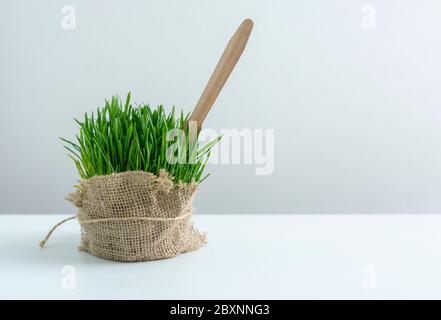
125,137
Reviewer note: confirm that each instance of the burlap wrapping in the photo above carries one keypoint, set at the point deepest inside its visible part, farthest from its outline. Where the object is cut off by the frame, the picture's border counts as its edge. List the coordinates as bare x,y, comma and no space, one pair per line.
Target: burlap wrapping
136,216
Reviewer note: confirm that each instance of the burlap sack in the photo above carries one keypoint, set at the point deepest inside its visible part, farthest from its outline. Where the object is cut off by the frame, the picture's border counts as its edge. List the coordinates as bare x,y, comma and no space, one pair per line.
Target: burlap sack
136,216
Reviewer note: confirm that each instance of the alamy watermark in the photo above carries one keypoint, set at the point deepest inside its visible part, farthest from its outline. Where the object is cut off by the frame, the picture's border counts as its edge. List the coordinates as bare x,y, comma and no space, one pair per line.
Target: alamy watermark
369,18
68,277
236,146
368,278
68,17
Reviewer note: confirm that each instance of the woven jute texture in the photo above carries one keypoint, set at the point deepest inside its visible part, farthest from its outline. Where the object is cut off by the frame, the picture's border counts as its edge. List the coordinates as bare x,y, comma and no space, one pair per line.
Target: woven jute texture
136,216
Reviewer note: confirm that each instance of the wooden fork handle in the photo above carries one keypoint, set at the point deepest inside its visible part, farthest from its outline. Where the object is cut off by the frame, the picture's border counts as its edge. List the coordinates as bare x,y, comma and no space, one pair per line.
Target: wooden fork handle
224,67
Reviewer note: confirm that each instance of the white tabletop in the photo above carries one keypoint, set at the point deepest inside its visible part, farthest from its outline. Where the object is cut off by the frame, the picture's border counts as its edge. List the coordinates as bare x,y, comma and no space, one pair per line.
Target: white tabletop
248,257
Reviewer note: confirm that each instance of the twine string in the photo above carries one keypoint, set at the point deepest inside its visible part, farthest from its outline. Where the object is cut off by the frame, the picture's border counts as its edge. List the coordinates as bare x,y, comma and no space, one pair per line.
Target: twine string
43,242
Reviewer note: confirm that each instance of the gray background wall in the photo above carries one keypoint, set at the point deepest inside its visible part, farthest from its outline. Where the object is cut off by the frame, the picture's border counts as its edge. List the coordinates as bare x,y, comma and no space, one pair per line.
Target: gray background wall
356,112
